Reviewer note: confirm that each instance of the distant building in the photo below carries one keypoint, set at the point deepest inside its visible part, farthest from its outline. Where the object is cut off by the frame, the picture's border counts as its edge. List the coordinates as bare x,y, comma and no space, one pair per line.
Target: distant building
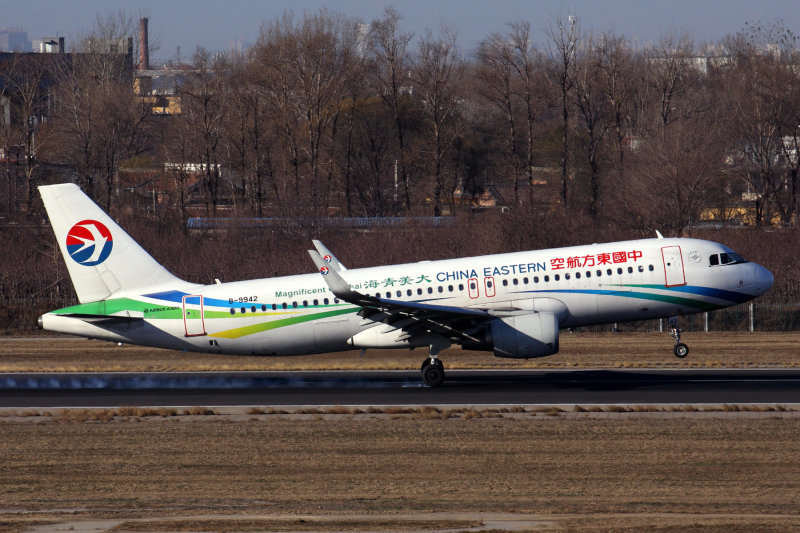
14,40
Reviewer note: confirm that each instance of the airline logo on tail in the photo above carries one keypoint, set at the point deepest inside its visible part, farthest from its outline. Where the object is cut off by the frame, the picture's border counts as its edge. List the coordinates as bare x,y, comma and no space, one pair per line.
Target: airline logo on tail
89,242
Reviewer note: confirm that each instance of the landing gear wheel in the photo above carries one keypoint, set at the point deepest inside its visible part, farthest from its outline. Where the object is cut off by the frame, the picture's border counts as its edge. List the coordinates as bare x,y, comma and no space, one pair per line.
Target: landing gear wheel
680,350
433,373
427,362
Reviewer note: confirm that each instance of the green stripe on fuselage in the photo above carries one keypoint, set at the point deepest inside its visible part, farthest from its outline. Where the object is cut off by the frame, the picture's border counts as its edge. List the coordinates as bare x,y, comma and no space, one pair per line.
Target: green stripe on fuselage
118,305
281,322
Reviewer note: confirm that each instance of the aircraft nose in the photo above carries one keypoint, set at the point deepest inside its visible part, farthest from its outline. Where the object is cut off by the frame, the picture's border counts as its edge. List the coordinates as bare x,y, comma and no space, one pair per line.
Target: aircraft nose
764,279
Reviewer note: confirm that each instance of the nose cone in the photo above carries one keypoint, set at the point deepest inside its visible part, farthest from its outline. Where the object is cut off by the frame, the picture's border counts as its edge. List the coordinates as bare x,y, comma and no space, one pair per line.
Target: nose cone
764,279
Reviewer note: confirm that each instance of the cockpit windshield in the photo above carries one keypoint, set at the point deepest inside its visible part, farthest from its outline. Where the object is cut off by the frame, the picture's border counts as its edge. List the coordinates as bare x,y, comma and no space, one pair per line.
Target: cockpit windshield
725,258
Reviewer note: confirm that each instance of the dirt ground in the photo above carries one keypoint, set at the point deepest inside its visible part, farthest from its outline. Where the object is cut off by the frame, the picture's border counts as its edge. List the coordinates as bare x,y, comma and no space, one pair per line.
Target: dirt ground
572,471
578,350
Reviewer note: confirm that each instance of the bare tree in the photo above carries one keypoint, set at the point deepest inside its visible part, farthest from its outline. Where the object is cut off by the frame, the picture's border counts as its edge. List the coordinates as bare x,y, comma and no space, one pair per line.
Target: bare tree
26,80
496,75
530,86
671,74
202,109
563,36
619,66
389,75
437,76
317,60
593,108
99,119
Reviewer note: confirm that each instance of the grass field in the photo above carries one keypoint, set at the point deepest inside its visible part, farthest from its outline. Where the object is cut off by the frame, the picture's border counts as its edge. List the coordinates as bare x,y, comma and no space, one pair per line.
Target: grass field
398,469
578,350
577,471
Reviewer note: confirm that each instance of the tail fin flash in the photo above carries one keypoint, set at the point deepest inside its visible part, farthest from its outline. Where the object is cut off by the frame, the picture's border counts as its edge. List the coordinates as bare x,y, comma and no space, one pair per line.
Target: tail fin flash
101,258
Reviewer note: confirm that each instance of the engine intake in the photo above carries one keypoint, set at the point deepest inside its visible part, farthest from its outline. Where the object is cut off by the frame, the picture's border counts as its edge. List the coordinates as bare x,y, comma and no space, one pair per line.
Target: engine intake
519,336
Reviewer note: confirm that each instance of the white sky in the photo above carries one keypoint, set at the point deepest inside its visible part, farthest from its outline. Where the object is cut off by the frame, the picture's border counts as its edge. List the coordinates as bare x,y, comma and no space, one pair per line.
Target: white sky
216,24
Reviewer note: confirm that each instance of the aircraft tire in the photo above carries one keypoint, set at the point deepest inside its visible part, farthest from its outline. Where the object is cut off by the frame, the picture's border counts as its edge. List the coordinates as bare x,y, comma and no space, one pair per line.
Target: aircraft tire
680,350
433,374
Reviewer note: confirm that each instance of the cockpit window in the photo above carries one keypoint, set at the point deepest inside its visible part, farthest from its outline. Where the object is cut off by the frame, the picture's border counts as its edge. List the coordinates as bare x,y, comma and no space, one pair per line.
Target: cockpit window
725,258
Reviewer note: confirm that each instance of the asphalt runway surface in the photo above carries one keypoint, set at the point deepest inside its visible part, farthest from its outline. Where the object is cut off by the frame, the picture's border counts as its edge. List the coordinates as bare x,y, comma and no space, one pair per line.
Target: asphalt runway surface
381,388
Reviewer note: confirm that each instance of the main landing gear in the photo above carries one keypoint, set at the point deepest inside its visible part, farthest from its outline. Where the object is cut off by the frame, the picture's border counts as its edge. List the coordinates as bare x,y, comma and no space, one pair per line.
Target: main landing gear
679,349
432,369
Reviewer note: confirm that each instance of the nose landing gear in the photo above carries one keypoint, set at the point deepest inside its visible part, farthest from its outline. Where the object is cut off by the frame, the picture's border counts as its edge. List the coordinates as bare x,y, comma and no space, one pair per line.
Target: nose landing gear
679,349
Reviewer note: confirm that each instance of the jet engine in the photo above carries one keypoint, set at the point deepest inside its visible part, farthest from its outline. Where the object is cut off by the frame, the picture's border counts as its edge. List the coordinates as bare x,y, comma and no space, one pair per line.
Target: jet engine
519,336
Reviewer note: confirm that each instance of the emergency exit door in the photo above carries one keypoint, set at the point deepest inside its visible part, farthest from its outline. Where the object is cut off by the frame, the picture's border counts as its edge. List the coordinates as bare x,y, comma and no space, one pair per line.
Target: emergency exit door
673,266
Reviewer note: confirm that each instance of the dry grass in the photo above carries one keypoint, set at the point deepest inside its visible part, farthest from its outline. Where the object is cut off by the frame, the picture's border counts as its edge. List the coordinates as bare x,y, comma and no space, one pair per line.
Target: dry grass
300,524
578,350
352,464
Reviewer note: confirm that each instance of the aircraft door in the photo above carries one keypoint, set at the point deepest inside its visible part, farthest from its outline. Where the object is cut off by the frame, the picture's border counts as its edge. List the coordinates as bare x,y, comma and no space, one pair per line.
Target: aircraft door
474,292
673,266
193,321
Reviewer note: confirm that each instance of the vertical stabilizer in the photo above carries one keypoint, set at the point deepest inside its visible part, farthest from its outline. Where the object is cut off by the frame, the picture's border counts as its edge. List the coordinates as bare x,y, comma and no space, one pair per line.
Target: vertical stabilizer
101,258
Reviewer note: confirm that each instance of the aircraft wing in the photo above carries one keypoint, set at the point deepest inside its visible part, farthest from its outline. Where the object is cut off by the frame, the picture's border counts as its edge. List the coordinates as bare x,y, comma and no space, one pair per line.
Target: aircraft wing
412,317
341,289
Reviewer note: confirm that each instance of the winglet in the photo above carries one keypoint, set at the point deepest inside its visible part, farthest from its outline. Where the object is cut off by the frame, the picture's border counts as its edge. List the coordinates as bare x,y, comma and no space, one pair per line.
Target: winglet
338,286
658,234
328,257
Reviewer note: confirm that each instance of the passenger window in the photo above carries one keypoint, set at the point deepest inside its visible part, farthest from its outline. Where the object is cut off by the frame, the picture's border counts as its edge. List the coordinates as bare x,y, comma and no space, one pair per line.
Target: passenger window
650,268
243,310
641,268
430,290
408,292
556,277
284,305
505,283
599,273
461,286
294,305
588,274
489,284
619,271
263,308
233,311
630,270
305,303
275,306
419,291
609,272
566,276
253,309
525,281
316,303
325,301
546,279
472,286
450,288
536,279
441,289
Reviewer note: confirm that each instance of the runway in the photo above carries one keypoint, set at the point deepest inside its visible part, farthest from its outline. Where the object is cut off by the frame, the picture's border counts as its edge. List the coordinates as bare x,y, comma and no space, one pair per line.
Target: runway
474,387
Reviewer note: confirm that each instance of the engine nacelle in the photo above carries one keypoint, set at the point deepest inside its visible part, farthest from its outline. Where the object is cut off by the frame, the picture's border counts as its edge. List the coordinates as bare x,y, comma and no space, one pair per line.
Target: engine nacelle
520,336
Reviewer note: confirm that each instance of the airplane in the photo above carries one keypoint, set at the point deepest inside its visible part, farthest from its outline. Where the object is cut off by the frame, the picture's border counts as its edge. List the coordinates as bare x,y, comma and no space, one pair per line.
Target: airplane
511,304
